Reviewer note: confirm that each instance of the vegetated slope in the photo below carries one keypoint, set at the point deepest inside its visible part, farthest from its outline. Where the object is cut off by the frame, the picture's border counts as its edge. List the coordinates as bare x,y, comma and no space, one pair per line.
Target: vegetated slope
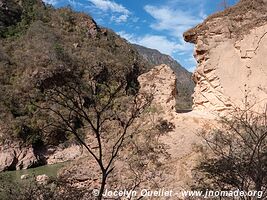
41,46
184,83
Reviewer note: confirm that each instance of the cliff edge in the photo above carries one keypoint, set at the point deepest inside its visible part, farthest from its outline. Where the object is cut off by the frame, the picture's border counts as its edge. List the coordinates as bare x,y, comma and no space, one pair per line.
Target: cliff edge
230,49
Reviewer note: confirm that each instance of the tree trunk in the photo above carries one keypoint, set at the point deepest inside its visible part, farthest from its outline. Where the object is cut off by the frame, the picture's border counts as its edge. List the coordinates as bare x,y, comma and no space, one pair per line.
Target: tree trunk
103,184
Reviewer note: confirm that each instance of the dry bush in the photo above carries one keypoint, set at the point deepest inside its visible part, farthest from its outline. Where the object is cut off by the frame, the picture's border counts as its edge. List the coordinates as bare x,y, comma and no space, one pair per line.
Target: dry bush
236,154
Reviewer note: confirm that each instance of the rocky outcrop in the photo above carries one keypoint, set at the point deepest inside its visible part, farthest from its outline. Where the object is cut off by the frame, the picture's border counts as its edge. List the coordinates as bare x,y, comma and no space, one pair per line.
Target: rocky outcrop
15,157
184,83
181,139
160,81
60,154
230,49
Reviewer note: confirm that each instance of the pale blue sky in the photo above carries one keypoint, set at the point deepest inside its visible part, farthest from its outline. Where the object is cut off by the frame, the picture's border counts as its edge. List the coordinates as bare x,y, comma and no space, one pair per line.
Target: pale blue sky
156,24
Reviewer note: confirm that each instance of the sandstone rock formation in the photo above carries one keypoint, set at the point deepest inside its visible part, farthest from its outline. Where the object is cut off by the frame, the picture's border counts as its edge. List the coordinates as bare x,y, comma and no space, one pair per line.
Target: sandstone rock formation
160,81
15,157
230,49
184,83
63,154
182,141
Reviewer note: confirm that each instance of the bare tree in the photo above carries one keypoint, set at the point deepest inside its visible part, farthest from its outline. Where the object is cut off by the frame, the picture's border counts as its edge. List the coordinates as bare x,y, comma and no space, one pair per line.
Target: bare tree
101,109
238,158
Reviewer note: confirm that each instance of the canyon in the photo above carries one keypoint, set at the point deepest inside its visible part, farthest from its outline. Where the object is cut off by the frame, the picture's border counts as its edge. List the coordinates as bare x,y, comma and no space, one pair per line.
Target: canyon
230,49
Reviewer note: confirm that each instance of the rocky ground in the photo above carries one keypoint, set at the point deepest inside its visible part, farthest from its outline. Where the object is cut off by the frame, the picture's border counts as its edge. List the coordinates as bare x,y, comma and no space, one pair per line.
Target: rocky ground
183,141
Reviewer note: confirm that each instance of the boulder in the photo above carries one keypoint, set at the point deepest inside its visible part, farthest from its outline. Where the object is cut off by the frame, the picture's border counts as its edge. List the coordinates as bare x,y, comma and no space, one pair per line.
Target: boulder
42,179
63,154
15,156
24,176
26,159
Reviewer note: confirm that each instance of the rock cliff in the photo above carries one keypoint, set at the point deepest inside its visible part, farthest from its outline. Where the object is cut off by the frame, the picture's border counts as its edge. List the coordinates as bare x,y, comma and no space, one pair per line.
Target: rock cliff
181,140
230,49
160,81
184,83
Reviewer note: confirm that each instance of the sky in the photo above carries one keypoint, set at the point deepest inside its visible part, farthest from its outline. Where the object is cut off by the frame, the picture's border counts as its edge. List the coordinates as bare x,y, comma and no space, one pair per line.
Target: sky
156,24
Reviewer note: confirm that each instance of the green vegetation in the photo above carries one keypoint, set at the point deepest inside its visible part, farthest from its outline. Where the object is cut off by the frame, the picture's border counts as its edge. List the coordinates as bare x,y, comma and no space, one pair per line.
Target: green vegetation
42,45
31,10
49,170
13,187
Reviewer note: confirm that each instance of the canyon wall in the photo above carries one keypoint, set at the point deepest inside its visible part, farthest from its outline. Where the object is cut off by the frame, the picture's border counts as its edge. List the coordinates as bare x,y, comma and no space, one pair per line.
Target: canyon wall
231,49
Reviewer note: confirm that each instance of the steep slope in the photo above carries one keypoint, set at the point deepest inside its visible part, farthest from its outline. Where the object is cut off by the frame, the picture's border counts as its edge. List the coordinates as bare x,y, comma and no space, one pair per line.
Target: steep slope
231,55
10,13
42,47
184,83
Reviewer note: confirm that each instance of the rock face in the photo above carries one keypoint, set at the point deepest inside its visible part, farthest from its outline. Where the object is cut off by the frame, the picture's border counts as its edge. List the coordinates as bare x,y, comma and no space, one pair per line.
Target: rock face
181,140
230,48
63,154
14,157
184,83
160,81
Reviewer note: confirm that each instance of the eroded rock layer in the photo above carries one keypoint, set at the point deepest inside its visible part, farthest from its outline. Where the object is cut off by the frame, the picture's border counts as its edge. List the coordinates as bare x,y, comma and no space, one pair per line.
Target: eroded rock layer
230,48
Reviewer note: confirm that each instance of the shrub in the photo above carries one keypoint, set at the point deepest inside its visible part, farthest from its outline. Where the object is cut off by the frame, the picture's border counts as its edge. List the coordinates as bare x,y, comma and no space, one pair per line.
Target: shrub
164,126
238,158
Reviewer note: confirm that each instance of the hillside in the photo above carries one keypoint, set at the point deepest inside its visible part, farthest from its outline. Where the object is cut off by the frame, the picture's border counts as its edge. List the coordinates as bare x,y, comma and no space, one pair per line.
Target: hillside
184,83
43,48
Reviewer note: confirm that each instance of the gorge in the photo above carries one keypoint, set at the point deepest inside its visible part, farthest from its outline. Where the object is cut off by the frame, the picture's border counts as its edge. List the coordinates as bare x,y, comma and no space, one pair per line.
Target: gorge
45,50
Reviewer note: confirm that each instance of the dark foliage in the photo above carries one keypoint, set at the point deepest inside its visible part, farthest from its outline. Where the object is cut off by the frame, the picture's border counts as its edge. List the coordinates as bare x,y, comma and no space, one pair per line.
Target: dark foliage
164,126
